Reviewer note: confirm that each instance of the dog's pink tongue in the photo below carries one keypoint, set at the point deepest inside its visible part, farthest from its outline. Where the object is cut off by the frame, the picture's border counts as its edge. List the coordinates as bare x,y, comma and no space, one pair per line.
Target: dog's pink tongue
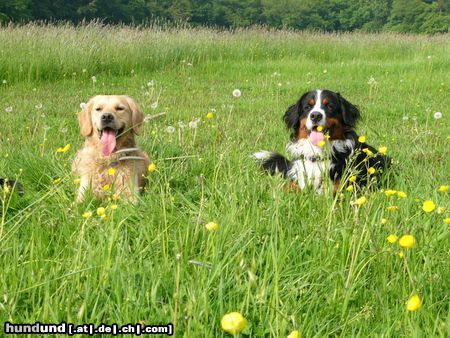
315,137
108,141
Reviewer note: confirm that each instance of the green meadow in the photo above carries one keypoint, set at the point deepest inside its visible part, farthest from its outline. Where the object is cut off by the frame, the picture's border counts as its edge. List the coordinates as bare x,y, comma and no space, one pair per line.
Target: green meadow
285,260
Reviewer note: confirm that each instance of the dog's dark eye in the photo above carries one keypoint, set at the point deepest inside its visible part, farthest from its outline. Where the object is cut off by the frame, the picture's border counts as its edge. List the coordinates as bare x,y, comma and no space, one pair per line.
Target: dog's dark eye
119,108
98,109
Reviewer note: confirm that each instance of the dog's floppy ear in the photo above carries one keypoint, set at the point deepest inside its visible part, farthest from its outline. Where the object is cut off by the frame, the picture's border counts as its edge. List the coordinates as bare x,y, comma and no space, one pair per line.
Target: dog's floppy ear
137,116
350,112
84,118
293,113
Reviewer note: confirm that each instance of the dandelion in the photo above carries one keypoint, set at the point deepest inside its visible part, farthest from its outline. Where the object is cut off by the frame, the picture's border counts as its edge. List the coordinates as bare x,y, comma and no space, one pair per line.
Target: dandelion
428,206
414,303
392,208
360,201
233,322
114,197
38,106
406,241
392,239
371,170
352,179
84,70
210,115
237,93
294,334
319,128
405,118
211,226
57,180
170,129
151,167
76,181
325,71
6,189
390,192
401,254
9,109
382,150
443,188
367,151
87,214
350,188
181,125
401,194
151,83
94,79
321,144
4,81
106,187
64,149
447,220
154,105
384,221
194,124
362,139
113,206
101,211
440,210
437,115
111,171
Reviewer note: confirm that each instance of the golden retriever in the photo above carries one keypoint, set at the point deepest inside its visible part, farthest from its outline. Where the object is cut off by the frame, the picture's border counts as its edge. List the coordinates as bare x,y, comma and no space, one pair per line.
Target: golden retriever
110,161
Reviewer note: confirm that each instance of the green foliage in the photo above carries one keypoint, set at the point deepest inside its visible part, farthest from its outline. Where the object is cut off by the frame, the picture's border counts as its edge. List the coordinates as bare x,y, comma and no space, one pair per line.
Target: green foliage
416,16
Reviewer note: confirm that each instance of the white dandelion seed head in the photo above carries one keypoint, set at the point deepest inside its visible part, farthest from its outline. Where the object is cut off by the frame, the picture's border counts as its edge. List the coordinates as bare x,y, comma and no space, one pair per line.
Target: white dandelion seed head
189,64
151,83
414,118
84,70
170,129
429,57
34,89
82,105
63,130
237,93
372,81
325,71
132,71
405,118
154,105
38,106
181,125
194,124
9,109
94,79
46,128
4,82
438,115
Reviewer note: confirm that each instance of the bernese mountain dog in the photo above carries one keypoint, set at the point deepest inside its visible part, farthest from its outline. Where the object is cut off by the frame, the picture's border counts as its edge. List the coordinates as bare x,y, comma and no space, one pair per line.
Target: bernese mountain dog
323,137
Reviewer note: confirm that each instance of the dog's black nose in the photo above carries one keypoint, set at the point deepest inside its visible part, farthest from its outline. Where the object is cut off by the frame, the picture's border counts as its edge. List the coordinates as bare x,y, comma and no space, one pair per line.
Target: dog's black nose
107,117
316,116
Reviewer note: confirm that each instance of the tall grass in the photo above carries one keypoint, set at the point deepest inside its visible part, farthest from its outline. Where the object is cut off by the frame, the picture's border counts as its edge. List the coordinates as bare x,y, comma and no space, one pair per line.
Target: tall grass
285,260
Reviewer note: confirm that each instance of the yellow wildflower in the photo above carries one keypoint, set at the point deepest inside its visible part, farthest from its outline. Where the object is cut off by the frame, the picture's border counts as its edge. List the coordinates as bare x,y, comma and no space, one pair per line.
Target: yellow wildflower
392,239
114,197
111,171
447,220
401,194
210,115
392,208
64,149
151,167
319,128
327,136
390,192
350,188
352,179
407,241
294,334
428,206
440,210
367,151
113,206
362,139
106,187
211,226
76,181
321,143
401,254
384,221
57,180
414,303
6,188
87,214
371,170
100,211
233,322
360,201
443,188
382,150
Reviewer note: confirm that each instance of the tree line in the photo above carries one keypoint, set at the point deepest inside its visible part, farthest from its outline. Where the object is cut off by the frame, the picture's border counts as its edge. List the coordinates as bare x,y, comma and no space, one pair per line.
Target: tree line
415,16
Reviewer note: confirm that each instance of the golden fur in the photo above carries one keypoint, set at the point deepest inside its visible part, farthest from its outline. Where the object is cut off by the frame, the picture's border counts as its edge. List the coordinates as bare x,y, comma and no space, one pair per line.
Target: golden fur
91,165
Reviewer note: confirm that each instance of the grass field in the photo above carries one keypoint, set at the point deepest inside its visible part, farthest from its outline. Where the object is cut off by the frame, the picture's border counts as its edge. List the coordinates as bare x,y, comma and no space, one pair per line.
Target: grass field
286,261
